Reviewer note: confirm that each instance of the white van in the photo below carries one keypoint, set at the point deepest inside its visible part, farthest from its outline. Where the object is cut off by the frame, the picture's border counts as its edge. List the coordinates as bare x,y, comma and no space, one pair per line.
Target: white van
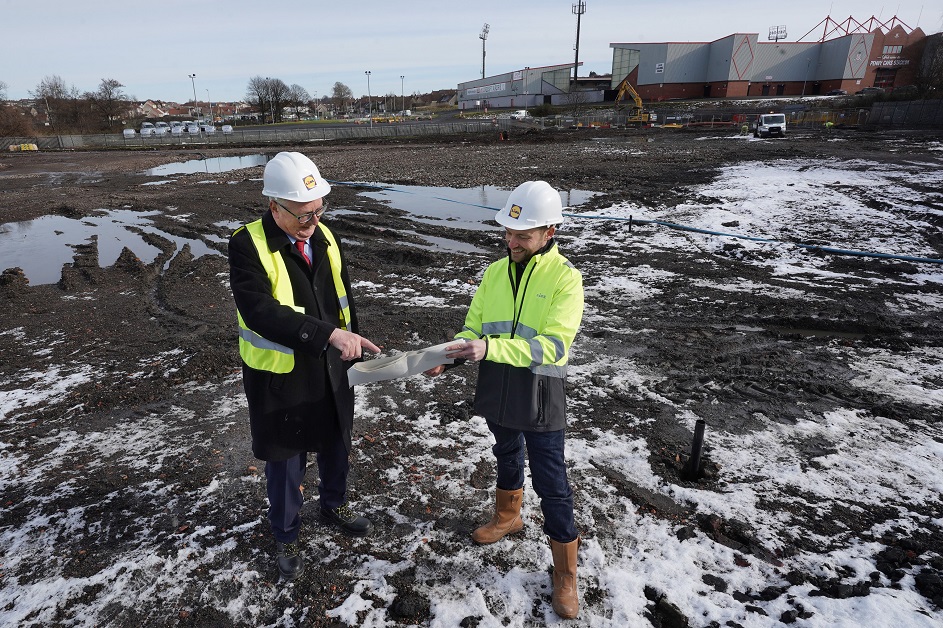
768,124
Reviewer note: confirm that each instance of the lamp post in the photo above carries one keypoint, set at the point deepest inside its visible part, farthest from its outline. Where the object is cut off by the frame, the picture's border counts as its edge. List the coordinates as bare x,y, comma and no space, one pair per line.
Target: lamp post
578,9
193,82
483,36
210,103
369,99
402,94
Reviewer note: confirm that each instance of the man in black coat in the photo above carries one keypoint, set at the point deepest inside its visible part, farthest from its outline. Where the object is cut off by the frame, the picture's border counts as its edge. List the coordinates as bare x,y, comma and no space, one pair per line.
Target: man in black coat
298,334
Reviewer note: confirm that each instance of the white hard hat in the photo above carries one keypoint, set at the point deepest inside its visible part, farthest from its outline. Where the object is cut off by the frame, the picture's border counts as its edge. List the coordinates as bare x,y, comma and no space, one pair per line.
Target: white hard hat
293,177
531,204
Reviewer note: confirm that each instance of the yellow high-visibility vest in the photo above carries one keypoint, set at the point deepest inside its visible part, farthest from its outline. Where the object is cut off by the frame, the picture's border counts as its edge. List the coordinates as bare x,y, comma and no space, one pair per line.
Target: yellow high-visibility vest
263,354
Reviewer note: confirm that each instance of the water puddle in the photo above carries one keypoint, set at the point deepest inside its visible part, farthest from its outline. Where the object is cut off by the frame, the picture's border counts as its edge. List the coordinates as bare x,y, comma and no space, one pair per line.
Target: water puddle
466,208
440,244
210,165
40,247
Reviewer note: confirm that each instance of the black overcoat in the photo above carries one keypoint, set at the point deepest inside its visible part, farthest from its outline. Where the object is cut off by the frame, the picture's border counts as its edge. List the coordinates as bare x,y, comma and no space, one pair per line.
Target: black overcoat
290,413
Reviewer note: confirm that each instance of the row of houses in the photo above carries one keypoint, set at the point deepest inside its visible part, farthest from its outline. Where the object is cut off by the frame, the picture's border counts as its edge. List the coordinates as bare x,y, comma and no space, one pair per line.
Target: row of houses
325,108
37,111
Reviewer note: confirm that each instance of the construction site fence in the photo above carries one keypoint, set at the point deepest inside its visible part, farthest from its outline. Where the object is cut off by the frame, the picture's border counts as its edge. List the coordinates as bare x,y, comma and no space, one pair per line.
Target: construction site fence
910,114
262,135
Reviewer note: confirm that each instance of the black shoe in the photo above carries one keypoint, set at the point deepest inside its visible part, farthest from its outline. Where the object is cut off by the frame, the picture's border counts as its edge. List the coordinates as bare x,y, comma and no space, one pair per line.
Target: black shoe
347,520
291,563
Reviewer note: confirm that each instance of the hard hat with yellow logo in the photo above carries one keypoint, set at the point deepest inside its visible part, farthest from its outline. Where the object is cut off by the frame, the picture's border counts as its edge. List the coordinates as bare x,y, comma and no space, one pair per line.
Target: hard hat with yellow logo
532,204
293,177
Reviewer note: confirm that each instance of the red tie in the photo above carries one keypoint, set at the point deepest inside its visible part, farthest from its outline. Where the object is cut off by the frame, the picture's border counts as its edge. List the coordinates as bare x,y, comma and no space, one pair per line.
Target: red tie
300,245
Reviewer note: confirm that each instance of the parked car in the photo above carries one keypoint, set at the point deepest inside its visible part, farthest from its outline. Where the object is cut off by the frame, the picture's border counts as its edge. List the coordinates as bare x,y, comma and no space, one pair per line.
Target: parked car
837,92
227,129
176,127
870,91
905,90
147,128
191,127
521,114
129,132
208,128
161,128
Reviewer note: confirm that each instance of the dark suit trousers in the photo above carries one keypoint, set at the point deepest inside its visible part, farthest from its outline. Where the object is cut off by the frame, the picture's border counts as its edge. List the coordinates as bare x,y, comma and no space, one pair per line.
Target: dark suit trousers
284,479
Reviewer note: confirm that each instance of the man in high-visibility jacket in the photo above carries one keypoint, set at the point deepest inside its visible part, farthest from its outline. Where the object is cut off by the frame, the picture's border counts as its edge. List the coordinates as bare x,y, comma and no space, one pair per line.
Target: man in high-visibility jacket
298,333
519,327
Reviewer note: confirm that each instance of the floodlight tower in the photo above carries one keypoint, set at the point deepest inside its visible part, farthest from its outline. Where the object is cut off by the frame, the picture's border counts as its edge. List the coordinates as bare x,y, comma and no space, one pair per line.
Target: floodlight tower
578,9
777,32
483,36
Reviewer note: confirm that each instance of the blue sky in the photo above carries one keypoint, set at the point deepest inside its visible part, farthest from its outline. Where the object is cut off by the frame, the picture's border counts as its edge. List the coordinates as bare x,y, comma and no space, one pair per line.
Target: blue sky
152,48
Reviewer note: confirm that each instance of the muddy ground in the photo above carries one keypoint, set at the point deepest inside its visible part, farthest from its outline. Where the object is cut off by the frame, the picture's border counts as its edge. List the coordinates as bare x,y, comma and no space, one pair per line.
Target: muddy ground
160,336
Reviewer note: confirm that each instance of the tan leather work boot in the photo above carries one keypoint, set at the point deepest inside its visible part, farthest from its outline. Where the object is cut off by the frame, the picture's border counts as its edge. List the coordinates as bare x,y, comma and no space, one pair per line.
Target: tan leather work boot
506,518
566,603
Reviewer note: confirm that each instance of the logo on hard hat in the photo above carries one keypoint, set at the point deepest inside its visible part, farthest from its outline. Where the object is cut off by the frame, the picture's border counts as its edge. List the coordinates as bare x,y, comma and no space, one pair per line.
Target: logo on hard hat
310,181
515,211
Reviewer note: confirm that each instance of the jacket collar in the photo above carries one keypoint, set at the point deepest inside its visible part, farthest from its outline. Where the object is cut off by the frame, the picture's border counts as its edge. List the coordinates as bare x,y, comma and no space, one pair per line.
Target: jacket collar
548,248
275,238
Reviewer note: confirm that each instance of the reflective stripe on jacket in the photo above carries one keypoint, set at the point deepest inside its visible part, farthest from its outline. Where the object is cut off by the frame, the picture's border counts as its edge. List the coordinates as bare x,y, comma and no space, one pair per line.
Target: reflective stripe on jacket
529,324
258,352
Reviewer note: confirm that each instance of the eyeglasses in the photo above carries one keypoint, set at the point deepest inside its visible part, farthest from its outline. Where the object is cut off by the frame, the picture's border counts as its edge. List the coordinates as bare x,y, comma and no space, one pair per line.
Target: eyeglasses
306,218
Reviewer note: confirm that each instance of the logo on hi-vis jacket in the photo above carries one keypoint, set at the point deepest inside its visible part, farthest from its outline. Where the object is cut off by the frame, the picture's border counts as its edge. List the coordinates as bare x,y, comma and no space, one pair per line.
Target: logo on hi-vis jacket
515,211
310,181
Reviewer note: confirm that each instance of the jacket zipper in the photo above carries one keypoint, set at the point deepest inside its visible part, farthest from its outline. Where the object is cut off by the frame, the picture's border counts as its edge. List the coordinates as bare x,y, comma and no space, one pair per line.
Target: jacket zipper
515,318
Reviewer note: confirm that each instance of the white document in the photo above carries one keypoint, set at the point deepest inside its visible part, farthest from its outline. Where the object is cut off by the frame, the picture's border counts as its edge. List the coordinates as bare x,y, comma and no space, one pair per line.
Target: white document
401,365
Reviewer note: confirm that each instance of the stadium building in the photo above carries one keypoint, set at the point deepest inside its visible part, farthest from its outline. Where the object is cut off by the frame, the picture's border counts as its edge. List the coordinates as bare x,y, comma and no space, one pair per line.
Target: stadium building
848,56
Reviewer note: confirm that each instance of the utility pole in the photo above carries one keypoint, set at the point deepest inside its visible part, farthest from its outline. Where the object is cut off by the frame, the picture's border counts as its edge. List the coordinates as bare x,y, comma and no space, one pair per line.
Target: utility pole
578,9
483,36
369,99
402,94
193,82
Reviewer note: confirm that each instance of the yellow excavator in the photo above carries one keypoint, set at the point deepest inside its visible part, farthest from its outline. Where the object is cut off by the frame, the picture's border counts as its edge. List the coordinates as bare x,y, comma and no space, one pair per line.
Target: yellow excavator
637,116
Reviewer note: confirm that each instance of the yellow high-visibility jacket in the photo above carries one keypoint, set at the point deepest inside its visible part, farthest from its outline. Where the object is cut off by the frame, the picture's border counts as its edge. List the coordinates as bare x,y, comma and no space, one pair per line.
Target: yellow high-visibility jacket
263,354
529,322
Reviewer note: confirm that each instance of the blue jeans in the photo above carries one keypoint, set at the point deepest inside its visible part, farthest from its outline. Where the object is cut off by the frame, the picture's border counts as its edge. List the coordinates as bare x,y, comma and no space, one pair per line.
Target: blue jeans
283,480
548,475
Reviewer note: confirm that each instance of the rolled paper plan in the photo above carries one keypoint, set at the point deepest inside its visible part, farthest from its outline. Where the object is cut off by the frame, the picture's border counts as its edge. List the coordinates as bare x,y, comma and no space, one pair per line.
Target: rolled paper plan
400,365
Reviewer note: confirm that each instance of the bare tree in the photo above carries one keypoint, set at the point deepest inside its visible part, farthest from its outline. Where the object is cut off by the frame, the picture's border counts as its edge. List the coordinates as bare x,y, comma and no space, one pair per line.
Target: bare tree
341,95
257,93
61,101
109,101
577,101
13,121
930,75
269,95
278,97
297,96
